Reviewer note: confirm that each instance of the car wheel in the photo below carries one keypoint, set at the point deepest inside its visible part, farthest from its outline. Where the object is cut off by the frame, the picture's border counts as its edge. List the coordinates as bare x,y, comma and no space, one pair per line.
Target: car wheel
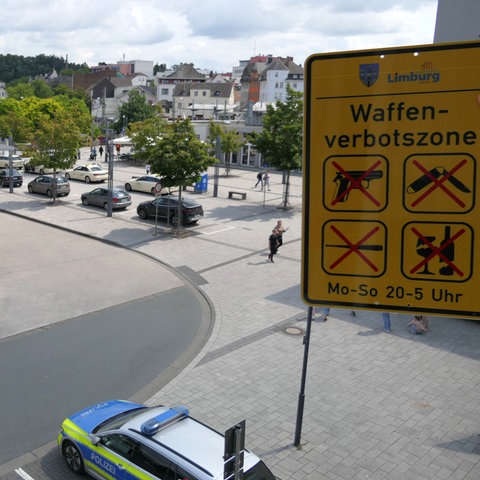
73,458
87,179
128,187
105,207
142,213
49,193
174,220
67,176
153,191
30,189
85,201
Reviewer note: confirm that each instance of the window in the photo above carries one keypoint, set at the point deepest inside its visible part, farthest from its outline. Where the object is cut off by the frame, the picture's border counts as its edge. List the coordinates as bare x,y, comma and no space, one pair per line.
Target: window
154,462
195,94
121,444
164,91
204,93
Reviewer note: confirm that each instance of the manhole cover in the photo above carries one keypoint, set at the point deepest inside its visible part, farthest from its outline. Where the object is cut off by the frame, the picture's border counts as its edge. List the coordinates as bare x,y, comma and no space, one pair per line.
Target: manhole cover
293,331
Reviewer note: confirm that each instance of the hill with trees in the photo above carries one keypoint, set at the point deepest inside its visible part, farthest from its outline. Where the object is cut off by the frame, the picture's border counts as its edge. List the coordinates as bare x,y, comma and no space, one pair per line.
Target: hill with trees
19,68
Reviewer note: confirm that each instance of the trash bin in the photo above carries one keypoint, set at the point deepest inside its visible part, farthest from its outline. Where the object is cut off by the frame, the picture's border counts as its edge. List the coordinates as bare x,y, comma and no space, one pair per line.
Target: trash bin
202,185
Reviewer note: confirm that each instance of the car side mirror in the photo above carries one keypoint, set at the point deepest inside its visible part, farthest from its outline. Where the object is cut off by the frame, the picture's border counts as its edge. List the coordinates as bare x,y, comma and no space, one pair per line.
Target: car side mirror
95,439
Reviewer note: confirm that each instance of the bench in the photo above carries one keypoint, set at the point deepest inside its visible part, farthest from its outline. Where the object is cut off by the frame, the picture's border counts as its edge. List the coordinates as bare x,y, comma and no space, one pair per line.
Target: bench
240,194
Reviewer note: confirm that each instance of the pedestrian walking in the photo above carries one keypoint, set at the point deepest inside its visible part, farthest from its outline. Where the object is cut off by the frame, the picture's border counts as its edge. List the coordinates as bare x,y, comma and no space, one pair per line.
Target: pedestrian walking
147,168
325,313
386,321
281,229
266,180
100,151
259,180
273,245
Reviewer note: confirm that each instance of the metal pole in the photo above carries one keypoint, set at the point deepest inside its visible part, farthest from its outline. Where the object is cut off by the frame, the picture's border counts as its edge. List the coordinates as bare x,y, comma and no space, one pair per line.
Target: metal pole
110,177
301,395
218,154
10,165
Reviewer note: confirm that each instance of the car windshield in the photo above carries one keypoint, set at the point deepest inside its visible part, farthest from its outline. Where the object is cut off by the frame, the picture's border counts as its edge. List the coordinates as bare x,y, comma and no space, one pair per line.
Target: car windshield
259,472
61,180
118,420
96,169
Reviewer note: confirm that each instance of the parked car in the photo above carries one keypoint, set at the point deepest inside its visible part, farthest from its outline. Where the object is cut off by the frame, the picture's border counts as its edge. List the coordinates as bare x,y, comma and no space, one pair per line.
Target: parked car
87,173
166,207
117,439
17,162
146,183
99,196
46,185
41,169
5,177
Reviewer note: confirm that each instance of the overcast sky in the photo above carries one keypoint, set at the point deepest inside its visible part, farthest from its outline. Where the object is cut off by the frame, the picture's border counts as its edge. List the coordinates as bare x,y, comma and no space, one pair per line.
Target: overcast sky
211,34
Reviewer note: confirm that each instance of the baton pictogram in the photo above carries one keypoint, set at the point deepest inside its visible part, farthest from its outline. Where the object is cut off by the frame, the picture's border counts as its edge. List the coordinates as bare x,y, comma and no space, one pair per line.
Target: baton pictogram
355,248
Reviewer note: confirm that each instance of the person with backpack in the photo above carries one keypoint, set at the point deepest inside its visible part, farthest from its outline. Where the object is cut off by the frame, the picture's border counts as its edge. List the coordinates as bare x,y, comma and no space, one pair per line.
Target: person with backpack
259,180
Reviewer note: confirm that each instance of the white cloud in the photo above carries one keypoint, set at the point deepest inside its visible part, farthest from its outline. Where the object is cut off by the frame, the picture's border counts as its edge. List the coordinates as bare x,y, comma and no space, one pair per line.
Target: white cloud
213,34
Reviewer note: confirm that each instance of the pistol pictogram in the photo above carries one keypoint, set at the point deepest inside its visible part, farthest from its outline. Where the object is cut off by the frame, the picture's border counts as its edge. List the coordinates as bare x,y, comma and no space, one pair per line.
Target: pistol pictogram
353,179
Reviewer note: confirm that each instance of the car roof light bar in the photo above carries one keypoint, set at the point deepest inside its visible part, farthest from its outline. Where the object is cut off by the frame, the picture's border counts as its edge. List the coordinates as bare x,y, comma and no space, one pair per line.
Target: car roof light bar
155,424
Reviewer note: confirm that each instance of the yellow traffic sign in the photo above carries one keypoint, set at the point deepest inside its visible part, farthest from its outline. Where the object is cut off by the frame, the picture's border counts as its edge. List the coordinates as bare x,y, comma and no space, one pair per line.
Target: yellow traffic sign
390,162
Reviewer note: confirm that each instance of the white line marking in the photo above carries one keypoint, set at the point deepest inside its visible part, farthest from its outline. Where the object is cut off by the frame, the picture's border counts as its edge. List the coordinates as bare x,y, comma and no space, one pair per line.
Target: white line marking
23,474
217,231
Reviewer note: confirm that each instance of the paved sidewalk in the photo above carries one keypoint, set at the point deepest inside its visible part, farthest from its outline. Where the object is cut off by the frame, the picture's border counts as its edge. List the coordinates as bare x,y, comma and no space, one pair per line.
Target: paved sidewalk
378,405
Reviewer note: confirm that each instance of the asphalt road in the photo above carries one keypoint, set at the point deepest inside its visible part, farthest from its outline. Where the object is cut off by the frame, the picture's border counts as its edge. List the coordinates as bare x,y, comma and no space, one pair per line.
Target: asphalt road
135,333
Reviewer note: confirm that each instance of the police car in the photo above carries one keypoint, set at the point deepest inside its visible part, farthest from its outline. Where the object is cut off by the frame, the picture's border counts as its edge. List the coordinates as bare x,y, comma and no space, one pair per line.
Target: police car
117,439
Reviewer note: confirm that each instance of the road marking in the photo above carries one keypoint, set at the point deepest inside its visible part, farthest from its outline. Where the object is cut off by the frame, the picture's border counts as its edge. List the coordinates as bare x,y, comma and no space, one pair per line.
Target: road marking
217,231
23,474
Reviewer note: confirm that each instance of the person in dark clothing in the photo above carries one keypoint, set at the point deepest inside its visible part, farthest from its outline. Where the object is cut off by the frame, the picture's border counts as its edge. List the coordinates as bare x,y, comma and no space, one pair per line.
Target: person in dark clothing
259,180
273,245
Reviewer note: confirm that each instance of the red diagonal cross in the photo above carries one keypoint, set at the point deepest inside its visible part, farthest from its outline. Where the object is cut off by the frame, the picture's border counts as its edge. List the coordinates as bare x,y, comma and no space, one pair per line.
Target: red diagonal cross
439,183
354,248
356,183
437,251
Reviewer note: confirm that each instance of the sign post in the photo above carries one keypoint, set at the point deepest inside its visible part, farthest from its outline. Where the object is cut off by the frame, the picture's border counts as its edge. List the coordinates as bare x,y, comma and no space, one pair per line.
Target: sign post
391,144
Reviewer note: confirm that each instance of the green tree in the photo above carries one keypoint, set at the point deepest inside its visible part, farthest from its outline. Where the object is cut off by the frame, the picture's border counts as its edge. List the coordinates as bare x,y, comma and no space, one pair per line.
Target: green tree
144,135
41,89
159,68
20,90
135,109
55,143
281,139
178,156
230,141
12,121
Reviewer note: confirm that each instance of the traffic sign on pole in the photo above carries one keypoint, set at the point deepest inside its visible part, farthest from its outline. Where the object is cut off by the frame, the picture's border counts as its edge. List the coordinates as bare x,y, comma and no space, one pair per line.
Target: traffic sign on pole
390,162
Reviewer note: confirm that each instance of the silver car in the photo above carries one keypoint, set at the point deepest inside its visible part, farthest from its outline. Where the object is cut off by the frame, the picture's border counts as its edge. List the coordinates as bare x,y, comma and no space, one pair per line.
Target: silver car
99,196
46,185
